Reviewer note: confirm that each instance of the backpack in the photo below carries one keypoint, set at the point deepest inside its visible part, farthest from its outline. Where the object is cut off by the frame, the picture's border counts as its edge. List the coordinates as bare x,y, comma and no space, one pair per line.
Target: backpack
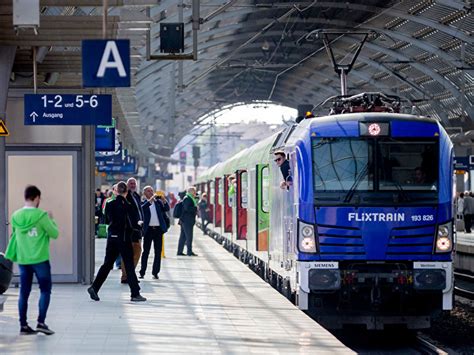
178,210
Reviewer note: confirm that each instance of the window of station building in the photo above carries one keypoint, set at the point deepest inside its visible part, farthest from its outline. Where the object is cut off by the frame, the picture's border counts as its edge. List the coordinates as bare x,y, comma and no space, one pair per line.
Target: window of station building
244,188
265,190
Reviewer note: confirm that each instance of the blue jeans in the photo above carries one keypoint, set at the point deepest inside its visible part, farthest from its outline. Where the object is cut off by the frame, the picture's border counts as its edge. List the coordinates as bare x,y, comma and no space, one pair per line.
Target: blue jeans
43,275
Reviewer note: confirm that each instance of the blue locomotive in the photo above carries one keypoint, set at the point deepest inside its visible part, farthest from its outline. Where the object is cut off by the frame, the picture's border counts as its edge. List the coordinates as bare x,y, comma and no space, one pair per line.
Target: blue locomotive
364,233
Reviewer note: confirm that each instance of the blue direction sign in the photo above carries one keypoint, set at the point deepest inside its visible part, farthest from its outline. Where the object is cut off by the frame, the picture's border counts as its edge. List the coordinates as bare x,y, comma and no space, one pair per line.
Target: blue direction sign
106,63
75,110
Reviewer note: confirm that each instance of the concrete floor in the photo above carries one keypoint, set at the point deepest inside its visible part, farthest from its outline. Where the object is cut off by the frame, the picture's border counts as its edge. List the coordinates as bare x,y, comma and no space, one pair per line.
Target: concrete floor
210,304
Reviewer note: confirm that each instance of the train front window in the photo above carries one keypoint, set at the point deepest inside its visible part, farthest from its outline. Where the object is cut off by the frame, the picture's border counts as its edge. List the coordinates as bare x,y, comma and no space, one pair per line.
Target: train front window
375,171
407,165
342,164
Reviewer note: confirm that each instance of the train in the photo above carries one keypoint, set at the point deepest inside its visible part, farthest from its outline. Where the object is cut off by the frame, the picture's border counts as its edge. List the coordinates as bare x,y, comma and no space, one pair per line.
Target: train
362,232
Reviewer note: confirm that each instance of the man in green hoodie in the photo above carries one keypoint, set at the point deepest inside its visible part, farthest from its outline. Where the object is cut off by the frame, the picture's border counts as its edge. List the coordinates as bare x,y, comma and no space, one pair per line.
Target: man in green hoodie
29,247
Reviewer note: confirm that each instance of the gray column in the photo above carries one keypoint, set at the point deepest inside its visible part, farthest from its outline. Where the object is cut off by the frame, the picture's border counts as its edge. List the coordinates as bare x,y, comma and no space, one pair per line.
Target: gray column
88,178
7,57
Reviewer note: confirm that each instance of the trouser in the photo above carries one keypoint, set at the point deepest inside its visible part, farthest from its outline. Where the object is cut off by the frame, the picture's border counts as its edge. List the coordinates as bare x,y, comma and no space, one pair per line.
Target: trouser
186,237
155,235
204,224
137,251
468,222
43,275
114,248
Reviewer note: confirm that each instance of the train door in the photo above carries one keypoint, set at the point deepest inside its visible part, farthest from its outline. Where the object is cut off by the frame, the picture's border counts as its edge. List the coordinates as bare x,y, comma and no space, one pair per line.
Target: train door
263,207
252,210
217,204
242,201
227,205
210,200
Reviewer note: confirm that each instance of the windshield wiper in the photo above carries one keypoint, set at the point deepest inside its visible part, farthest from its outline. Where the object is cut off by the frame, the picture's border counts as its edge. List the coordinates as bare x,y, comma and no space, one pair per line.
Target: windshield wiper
356,183
402,193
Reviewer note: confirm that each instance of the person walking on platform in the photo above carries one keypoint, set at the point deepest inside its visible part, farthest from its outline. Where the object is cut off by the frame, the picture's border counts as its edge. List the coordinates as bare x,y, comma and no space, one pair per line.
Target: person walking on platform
172,201
110,197
136,218
468,211
187,221
203,207
119,242
33,228
155,225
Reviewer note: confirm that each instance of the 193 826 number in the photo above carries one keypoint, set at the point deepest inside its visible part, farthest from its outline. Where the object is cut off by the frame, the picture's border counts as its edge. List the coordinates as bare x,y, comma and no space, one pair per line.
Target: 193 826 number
425,218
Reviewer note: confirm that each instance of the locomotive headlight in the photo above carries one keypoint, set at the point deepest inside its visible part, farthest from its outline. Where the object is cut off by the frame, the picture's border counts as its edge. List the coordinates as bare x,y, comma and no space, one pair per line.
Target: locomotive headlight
307,231
444,238
307,244
306,238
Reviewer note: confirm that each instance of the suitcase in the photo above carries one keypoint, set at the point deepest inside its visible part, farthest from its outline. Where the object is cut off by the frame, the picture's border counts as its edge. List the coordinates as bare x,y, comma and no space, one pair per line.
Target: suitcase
6,273
459,225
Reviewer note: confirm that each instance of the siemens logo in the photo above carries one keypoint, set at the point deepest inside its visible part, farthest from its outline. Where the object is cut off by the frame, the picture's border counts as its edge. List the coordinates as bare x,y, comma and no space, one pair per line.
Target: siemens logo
376,217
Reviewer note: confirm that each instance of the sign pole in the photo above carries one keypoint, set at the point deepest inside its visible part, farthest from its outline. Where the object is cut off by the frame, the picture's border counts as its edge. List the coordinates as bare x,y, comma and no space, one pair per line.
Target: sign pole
35,71
104,18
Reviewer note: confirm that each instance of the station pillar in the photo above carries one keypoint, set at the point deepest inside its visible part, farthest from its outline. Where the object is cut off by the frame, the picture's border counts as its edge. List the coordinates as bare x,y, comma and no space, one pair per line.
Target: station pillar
7,57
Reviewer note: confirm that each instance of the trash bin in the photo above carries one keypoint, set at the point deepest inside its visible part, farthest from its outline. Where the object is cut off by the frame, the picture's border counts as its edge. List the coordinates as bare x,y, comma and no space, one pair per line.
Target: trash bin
102,231
6,273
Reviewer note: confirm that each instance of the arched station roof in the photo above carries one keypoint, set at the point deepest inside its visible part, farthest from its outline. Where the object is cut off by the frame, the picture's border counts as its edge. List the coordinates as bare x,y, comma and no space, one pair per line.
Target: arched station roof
421,50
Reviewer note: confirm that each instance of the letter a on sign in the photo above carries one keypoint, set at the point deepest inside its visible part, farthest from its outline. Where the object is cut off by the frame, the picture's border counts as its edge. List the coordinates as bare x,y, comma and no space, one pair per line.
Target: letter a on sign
3,129
106,63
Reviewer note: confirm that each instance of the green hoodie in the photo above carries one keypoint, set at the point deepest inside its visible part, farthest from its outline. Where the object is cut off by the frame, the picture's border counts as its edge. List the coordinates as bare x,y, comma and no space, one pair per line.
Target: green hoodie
32,229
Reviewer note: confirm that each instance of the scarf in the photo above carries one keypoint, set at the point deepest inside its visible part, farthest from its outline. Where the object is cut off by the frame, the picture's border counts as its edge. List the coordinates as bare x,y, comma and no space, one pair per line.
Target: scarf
192,199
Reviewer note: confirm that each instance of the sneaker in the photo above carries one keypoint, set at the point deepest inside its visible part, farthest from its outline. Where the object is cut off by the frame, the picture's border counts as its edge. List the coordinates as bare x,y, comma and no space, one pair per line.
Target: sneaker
192,254
43,328
27,330
180,254
93,294
138,298
141,276
156,277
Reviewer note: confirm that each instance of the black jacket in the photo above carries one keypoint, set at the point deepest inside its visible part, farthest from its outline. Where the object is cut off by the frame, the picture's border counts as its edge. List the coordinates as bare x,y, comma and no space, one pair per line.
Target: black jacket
117,217
189,212
136,214
161,209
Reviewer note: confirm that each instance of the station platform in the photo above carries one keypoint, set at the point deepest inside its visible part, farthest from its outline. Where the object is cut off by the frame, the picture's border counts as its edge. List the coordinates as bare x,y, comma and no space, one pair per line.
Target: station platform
209,304
464,258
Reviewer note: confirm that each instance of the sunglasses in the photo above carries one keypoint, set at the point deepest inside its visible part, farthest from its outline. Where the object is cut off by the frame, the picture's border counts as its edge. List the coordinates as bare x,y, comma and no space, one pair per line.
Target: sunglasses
277,160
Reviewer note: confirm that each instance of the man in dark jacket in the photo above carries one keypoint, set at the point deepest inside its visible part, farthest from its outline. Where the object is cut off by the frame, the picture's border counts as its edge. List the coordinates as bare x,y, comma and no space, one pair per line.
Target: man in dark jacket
136,219
119,242
187,221
155,224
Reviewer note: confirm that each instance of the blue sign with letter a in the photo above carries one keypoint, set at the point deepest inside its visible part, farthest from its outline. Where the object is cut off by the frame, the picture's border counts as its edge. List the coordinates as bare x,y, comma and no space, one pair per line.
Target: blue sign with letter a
106,63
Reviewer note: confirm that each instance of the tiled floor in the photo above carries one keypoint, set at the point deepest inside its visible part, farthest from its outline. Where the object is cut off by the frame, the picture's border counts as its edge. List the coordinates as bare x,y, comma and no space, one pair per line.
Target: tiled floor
206,304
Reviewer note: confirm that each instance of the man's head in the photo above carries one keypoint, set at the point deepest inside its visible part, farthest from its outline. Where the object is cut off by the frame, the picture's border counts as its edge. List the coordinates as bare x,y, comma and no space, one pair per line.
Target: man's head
280,157
148,192
192,191
132,184
97,192
32,195
121,188
420,176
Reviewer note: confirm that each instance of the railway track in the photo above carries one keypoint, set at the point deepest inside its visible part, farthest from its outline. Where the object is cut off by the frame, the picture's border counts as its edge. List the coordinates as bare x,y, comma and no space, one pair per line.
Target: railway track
423,346
464,285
